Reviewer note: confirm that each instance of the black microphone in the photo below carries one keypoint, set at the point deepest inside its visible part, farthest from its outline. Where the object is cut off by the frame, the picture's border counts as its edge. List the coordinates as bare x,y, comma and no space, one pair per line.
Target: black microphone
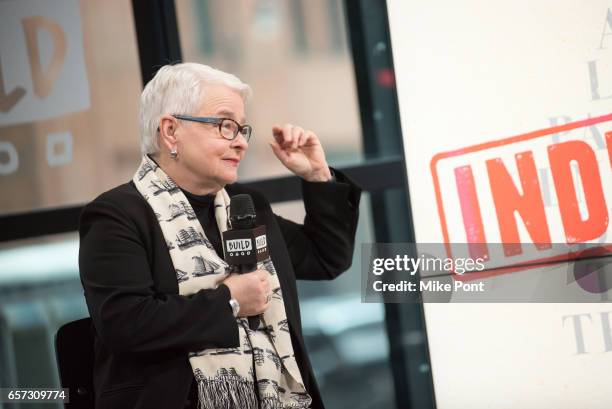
244,244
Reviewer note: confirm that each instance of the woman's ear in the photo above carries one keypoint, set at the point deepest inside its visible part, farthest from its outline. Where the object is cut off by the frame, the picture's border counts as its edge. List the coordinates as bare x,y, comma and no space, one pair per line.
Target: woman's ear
167,129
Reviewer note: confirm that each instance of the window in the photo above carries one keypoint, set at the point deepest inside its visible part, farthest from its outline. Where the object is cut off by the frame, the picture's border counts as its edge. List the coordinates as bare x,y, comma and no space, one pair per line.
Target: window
314,90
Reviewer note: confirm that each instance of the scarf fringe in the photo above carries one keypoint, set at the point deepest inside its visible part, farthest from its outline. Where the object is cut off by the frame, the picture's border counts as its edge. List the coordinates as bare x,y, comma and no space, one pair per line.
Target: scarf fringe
229,393
271,402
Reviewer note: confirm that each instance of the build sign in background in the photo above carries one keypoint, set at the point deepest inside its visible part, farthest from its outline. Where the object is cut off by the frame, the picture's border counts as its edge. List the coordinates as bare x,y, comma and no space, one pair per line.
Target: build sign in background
68,101
506,111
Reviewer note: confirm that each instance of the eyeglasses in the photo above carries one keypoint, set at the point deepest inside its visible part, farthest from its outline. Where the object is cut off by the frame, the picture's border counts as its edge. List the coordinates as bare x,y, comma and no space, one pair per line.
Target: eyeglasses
228,128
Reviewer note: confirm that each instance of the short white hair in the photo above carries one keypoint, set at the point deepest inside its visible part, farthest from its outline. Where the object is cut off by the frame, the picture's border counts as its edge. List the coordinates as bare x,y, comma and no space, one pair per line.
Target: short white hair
179,89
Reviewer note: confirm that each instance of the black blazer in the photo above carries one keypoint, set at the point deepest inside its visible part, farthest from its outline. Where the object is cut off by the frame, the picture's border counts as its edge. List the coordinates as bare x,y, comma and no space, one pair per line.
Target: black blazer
144,328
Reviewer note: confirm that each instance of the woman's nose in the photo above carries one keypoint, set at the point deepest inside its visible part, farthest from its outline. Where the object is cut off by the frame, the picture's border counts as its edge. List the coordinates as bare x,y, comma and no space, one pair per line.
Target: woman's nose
239,142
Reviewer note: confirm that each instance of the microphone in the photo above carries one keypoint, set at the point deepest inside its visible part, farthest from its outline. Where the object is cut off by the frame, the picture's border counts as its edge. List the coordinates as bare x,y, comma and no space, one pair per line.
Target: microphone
244,244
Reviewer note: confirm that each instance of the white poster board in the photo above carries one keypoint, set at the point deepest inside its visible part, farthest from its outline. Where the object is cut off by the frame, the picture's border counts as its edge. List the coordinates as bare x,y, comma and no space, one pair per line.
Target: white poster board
502,94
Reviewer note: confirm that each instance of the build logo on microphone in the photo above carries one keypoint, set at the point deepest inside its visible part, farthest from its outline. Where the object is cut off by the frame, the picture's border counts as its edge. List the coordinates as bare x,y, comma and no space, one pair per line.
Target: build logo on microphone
239,246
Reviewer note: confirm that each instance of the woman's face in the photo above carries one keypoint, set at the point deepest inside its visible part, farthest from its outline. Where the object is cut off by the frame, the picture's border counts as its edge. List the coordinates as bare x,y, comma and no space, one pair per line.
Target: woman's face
210,159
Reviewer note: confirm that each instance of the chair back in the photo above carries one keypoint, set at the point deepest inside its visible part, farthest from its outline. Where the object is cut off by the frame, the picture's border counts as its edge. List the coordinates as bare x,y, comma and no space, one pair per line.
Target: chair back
74,350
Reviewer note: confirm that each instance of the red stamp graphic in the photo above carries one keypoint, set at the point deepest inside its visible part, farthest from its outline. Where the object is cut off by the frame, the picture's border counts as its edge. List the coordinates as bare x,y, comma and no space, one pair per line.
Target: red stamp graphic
527,192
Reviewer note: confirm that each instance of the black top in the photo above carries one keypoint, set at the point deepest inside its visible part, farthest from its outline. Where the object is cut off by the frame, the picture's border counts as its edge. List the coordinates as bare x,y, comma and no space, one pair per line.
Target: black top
144,329
203,206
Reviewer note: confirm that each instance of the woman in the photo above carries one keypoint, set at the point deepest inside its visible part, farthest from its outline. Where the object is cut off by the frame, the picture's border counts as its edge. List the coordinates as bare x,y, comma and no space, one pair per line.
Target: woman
169,316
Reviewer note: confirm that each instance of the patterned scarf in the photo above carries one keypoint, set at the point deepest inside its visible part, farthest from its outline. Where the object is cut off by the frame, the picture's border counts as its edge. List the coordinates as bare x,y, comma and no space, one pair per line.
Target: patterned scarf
260,373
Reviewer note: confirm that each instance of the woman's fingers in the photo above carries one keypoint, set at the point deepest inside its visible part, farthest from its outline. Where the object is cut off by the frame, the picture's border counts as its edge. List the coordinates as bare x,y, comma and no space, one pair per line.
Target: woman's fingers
296,135
287,136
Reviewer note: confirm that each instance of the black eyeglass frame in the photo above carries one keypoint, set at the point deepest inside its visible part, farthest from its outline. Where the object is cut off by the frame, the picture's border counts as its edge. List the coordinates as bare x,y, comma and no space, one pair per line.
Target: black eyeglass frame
219,122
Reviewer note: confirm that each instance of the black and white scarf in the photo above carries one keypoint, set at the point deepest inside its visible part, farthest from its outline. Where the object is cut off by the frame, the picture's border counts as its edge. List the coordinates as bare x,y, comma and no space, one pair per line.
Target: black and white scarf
263,367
